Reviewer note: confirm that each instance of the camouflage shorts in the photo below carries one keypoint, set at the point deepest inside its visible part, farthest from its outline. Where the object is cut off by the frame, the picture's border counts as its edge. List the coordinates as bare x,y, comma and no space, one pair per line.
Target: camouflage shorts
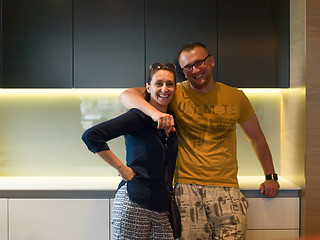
211,212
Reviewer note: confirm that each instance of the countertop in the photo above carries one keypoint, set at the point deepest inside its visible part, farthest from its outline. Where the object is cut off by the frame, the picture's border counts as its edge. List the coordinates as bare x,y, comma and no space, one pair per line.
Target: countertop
106,183
98,186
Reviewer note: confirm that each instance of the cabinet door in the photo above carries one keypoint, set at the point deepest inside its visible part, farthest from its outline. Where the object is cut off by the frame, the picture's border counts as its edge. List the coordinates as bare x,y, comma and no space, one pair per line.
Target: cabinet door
110,217
171,24
3,219
108,43
273,213
272,234
53,219
36,43
253,43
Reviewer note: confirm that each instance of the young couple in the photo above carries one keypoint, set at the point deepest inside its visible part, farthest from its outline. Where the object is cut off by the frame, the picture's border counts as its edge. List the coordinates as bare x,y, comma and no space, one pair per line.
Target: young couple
204,156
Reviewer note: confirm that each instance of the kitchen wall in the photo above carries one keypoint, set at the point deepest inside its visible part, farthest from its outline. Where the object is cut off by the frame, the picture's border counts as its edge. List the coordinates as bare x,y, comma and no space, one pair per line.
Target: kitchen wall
294,100
311,193
41,131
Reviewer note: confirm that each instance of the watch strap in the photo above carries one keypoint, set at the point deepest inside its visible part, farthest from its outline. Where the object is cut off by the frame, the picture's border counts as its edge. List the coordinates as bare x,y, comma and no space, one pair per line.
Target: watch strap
273,176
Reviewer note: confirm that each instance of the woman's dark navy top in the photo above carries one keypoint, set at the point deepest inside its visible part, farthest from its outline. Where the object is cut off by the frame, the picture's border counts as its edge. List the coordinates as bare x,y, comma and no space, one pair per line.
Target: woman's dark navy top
146,155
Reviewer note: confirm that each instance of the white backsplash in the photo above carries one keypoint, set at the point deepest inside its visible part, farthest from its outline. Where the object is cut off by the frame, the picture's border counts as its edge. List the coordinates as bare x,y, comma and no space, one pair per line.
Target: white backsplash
40,131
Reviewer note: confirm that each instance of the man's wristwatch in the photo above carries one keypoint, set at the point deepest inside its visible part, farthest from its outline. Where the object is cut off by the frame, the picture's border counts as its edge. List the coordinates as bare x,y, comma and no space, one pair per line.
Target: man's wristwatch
273,176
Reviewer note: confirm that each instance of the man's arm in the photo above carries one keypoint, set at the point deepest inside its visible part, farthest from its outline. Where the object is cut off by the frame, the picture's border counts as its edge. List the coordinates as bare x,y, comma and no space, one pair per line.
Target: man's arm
257,139
134,98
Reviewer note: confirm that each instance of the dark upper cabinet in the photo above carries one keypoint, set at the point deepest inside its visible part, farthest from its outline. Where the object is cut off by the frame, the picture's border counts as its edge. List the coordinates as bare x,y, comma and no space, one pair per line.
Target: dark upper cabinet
171,24
36,43
108,43
253,43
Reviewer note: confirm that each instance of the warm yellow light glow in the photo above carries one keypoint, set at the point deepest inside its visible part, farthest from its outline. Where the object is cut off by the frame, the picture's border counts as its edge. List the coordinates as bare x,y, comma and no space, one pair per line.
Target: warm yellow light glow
35,122
35,93
108,92
99,90
262,90
61,90
112,91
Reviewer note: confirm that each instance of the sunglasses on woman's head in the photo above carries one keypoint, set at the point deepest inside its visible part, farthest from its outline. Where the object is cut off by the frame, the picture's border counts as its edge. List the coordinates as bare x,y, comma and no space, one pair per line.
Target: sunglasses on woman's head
165,66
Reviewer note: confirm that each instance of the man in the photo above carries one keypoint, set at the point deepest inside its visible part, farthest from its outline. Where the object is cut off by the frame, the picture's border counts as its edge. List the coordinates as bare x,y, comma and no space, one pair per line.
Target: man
206,113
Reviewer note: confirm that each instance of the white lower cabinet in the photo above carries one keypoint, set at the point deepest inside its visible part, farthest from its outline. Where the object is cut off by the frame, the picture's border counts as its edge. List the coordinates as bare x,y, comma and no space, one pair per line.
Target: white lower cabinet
111,228
272,234
268,218
3,218
87,219
273,218
63,219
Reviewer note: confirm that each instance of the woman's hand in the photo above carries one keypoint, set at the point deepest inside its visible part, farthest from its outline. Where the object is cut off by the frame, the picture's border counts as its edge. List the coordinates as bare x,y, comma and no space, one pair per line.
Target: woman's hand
123,171
126,173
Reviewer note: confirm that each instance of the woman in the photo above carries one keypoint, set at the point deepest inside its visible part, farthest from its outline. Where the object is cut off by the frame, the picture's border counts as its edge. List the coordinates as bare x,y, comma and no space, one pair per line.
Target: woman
140,209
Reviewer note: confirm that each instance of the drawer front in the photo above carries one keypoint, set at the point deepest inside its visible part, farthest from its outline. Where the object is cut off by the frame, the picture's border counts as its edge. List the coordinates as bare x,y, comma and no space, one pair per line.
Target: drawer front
273,213
3,219
53,219
272,234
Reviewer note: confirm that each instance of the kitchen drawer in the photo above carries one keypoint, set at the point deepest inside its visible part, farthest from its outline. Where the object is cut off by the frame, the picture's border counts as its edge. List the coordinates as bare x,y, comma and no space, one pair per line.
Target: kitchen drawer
273,213
53,219
110,217
3,219
272,234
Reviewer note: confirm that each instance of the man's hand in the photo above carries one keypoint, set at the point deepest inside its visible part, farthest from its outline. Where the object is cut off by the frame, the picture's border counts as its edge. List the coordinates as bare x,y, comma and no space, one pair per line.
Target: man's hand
165,121
269,188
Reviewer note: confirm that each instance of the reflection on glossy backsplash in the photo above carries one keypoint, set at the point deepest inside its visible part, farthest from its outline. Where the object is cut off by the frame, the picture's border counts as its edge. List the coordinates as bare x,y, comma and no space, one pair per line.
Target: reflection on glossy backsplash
267,104
40,131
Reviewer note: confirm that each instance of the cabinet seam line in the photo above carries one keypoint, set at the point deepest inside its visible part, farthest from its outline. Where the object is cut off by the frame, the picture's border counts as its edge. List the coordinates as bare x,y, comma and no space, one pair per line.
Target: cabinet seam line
145,40
8,218
72,44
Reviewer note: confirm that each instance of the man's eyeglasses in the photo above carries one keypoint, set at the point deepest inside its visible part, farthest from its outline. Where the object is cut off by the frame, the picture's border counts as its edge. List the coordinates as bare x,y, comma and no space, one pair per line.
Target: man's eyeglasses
165,66
197,64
